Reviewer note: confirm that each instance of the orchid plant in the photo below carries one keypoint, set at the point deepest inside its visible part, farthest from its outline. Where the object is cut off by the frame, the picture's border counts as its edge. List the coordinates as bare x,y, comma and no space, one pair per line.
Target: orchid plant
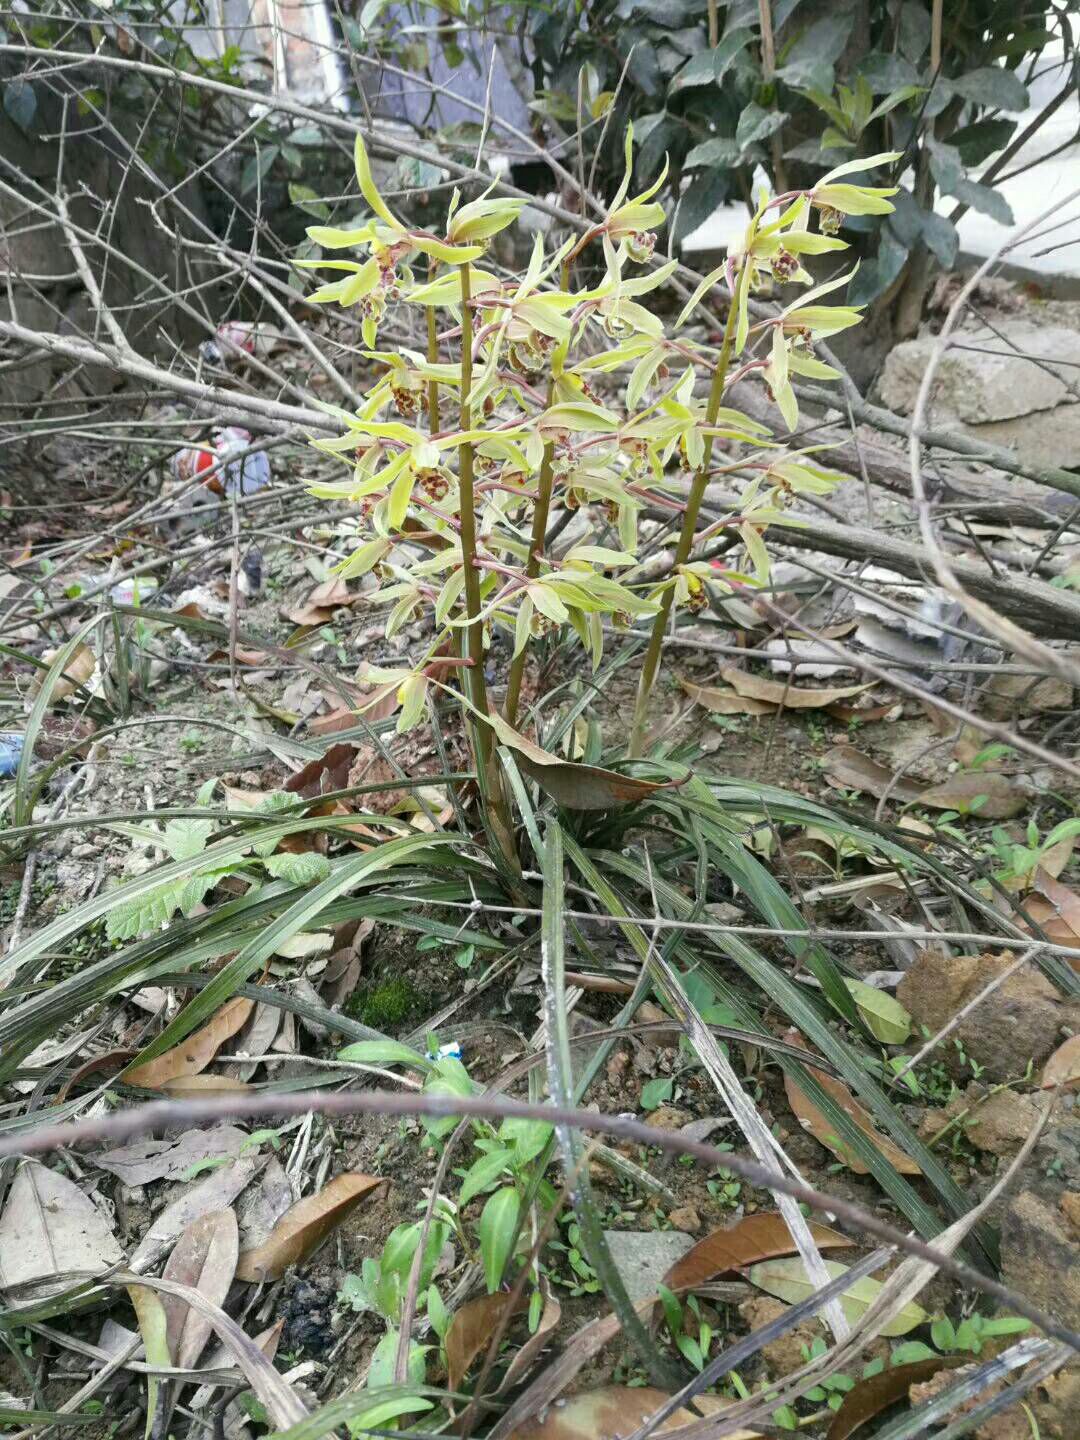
579,399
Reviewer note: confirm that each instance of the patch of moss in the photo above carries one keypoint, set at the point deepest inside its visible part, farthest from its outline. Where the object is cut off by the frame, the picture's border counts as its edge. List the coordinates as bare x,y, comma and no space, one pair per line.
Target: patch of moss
385,1005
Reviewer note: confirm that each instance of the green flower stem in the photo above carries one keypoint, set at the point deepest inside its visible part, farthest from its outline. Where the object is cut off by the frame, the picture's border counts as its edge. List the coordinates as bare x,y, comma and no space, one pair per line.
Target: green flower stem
686,541
541,511
488,775
433,357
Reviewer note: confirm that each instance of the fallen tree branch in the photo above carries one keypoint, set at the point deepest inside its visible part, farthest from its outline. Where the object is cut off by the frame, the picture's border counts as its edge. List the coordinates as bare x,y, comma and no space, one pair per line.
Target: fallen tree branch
1051,612
228,404
141,1119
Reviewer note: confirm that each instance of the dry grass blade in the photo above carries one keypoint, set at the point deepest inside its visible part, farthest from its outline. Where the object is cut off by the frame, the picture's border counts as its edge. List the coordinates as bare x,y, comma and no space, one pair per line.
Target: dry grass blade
303,1228
195,1052
283,1405
204,1258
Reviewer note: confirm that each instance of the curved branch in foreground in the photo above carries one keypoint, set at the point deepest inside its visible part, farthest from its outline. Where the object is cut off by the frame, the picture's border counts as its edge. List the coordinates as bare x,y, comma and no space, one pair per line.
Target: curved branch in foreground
140,1119
1053,662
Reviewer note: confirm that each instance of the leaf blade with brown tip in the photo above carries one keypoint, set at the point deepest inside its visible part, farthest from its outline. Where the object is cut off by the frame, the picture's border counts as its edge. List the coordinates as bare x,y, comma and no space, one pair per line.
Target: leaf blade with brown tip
811,1119
304,1226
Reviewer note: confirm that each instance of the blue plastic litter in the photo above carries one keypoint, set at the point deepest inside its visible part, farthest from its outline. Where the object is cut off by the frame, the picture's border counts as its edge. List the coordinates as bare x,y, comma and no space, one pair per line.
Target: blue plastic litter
11,749
446,1052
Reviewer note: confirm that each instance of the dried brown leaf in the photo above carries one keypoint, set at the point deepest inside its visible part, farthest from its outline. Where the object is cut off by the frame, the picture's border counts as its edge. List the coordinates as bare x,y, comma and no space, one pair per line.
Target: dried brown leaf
471,1330
195,1052
870,1397
205,1258
527,1353
811,1118
204,1085
613,1411
1063,1067
849,769
756,1238
144,1161
574,786
984,793
304,1227
785,696
78,671
50,1233
726,702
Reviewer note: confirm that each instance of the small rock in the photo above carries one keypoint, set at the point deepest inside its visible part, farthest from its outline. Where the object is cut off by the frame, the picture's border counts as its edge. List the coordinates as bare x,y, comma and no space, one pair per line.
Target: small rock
650,1014
668,1117
85,851
686,1219
1039,1257
643,1257
1017,1022
784,1354
1002,1123
1070,1208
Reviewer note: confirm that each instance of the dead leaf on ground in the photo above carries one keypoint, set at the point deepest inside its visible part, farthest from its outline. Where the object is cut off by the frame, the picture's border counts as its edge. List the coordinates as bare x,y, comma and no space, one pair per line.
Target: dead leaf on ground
525,1354
205,1258
987,794
849,769
1063,1067
244,656
282,1401
109,1063
77,672
204,1085
870,1397
1055,908
51,1233
822,1129
195,1052
784,696
613,1411
725,702
756,1238
217,1192
471,1330
321,605
304,1227
144,1161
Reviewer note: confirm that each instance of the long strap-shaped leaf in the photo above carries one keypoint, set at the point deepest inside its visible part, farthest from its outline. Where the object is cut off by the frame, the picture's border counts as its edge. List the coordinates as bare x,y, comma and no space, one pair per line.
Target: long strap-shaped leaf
561,1086
773,982
295,918
23,792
